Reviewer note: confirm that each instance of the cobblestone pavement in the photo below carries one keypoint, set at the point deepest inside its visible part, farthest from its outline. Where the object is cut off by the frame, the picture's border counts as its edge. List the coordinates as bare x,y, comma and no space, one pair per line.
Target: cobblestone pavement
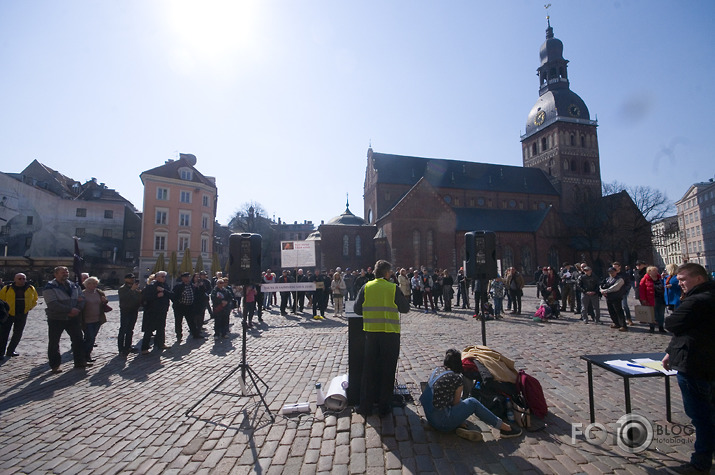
129,415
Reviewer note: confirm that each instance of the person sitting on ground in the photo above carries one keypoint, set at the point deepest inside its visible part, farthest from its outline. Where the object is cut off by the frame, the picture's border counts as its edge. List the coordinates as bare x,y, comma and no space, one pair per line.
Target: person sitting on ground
446,411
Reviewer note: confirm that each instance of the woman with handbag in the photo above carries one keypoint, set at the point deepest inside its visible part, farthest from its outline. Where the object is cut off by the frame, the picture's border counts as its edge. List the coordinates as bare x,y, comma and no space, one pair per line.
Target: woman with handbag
446,411
651,293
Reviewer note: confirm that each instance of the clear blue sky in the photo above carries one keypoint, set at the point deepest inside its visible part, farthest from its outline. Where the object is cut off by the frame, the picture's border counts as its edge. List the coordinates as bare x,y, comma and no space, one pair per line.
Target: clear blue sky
279,100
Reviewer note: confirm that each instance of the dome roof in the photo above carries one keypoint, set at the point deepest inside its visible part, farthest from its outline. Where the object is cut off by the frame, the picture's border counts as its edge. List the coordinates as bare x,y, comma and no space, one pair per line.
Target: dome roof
552,49
347,219
559,103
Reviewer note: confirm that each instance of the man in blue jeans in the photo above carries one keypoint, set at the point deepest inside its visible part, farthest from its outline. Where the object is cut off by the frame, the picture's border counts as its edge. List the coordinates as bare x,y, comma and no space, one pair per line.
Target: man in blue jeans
692,351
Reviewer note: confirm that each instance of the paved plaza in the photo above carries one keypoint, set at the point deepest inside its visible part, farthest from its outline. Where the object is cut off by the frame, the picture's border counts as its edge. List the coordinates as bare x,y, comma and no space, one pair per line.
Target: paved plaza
128,415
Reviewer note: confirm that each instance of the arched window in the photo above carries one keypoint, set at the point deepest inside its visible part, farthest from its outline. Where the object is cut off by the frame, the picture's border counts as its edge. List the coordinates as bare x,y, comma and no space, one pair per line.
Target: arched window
346,245
358,246
583,141
566,164
507,258
527,264
585,167
416,244
533,149
543,143
573,165
573,140
554,259
593,167
430,247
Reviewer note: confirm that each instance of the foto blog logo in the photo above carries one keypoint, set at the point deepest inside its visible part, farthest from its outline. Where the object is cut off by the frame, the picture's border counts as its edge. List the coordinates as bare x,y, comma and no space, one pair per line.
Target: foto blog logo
632,433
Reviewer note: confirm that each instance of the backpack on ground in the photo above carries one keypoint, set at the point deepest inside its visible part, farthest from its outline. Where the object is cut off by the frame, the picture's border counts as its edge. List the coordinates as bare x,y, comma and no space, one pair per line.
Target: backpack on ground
530,387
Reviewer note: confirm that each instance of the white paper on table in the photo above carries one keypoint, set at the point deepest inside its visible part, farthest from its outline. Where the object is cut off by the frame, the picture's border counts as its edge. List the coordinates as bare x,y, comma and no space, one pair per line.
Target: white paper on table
626,365
657,365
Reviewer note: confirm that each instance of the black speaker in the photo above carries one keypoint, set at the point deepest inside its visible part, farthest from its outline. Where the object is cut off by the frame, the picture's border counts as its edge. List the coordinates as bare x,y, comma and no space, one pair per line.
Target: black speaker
244,261
481,254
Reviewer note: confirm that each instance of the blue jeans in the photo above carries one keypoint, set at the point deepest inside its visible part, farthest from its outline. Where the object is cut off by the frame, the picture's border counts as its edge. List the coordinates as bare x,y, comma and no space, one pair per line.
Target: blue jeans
699,405
90,334
626,308
447,419
498,305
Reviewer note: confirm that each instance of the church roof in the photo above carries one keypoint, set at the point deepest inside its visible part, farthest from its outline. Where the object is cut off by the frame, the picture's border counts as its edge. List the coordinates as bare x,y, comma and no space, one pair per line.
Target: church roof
500,220
346,219
445,173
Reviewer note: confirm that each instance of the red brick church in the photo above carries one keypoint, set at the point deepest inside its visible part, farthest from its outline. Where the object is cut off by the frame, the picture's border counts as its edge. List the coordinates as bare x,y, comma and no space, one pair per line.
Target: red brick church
417,210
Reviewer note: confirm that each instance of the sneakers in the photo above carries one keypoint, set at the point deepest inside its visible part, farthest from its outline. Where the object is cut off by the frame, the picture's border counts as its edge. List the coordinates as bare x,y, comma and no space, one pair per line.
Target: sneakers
473,435
512,432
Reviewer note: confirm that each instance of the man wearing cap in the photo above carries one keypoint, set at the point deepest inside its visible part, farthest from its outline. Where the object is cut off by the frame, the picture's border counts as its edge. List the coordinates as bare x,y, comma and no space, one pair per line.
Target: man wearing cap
184,296
613,290
130,299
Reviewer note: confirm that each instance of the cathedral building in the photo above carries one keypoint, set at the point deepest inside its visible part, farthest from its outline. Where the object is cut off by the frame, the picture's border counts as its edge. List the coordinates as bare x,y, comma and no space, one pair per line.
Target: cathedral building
418,209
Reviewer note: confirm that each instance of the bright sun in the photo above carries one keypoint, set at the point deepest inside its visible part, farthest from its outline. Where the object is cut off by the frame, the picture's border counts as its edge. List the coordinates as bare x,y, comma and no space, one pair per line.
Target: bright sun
211,33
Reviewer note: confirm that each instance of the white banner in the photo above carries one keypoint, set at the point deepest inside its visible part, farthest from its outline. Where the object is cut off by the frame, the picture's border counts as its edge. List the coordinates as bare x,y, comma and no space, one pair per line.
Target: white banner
289,287
296,254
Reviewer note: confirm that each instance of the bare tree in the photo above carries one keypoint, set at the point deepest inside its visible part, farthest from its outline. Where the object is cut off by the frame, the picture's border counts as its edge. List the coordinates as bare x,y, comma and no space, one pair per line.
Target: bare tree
652,203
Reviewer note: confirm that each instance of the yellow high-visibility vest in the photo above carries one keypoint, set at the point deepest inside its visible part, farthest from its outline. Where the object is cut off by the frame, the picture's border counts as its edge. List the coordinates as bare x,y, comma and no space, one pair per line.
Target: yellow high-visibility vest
379,311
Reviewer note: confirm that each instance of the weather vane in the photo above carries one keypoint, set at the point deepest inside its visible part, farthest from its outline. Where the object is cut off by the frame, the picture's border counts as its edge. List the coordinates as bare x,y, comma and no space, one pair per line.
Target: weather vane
547,13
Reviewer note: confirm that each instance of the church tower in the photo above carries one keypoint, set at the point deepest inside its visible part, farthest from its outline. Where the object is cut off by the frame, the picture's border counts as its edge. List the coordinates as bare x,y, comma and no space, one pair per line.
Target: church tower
560,136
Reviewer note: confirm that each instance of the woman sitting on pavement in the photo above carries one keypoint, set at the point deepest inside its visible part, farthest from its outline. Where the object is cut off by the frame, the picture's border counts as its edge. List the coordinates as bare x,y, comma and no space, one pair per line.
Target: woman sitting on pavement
446,411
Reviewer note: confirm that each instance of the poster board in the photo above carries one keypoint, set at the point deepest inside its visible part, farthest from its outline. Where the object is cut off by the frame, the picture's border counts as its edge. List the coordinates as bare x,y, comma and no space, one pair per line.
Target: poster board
296,254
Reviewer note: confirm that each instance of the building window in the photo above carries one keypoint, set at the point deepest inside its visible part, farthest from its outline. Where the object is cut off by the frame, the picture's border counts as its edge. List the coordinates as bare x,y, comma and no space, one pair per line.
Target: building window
81,212
184,219
573,165
204,244
161,217
80,232
543,143
430,247
108,214
204,222
533,149
129,255
573,140
456,202
416,244
185,197
29,221
186,174
358,246
106,233
583,141
28,242
387,196
159,242
184,242
162,194
346,245
507,258
566,164
512,204
205,200
526,260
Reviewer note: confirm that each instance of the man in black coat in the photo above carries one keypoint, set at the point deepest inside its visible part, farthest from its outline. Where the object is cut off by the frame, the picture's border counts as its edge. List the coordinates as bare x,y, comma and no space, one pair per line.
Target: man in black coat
185,297
692,352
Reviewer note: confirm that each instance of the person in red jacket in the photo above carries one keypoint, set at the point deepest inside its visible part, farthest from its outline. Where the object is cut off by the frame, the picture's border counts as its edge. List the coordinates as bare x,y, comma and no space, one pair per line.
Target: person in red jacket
652,294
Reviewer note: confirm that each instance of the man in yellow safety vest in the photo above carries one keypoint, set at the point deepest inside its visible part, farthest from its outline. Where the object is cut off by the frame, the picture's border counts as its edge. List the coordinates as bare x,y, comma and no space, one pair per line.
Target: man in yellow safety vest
380,303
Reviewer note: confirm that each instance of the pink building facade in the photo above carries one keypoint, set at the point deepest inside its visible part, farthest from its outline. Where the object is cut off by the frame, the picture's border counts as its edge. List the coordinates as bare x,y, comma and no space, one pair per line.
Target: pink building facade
179,213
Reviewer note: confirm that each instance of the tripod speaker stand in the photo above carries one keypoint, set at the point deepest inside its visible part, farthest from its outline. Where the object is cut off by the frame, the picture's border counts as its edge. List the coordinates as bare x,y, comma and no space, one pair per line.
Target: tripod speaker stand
245,369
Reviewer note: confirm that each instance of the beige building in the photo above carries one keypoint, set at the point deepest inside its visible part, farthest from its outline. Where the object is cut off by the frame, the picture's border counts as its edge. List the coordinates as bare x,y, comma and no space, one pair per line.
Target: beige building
666,242
179,212
696,219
